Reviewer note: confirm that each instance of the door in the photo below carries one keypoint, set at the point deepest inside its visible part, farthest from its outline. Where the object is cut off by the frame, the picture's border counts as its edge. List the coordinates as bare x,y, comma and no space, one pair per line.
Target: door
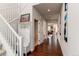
36,32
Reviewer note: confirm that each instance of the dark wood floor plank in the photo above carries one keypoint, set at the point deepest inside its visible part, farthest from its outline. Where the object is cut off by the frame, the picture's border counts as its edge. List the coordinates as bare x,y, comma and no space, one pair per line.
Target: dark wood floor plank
46,49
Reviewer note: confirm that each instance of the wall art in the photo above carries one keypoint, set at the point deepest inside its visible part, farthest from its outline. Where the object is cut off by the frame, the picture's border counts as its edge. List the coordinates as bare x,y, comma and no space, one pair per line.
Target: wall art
65,23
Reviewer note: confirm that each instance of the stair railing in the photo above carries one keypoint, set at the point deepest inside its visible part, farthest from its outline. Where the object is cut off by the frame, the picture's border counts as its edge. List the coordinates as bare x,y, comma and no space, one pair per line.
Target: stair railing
13,39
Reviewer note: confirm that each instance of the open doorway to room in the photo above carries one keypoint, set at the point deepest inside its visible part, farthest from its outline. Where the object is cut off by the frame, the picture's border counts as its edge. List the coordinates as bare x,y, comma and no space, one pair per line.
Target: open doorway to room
52,33
35,32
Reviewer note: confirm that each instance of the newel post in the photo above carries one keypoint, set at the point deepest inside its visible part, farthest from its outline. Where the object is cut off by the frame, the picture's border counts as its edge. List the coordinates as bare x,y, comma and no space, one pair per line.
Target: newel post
21,46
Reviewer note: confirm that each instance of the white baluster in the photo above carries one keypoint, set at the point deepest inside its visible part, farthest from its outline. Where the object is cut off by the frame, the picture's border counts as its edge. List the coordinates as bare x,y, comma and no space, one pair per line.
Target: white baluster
17,47
20,46
15,44
7,34
11,36
12,41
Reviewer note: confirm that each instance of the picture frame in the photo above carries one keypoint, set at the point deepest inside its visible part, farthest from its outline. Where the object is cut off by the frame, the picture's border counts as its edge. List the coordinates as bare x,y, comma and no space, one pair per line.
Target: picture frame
66,6
65,32
25,17
65,23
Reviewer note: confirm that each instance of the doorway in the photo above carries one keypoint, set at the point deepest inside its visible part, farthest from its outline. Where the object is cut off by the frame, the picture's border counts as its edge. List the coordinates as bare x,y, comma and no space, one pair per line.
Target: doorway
35,32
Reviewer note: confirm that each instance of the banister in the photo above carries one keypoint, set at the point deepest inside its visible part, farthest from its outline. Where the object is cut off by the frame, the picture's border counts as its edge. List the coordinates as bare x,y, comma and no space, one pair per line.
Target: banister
10,27
12,38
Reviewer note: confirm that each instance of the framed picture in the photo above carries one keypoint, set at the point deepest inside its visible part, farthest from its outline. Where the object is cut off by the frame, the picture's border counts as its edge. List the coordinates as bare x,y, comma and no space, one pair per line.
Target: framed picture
25,18
65,31
66,6
65,23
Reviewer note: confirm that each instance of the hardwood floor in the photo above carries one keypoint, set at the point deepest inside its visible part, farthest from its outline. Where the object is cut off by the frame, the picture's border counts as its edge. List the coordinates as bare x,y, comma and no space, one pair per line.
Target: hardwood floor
47,49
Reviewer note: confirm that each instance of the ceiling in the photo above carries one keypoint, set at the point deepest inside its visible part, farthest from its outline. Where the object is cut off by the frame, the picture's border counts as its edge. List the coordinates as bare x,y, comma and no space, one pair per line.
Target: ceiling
54,10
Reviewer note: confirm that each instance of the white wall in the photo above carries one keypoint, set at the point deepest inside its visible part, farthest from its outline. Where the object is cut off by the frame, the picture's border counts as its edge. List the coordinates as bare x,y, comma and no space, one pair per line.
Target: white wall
63,44
14,25
9,11
73,34
59,24
71,47
44,29
27,8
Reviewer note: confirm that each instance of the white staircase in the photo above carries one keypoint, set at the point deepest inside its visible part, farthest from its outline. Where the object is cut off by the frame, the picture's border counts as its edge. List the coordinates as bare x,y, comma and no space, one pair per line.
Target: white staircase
11,42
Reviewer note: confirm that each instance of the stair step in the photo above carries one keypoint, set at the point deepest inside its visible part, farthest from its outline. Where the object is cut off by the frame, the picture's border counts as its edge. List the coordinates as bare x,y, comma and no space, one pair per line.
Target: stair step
2,52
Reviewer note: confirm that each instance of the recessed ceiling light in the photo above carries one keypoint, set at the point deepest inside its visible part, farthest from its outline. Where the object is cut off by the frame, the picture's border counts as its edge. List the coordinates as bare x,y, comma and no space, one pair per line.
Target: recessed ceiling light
48,10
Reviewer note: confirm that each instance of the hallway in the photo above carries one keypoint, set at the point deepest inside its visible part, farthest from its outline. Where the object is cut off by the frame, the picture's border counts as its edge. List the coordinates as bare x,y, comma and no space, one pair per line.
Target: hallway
46,49
26,27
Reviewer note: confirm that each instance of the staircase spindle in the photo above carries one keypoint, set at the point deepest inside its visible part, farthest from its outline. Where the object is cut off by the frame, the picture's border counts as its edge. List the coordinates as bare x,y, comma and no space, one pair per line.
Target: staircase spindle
11,37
